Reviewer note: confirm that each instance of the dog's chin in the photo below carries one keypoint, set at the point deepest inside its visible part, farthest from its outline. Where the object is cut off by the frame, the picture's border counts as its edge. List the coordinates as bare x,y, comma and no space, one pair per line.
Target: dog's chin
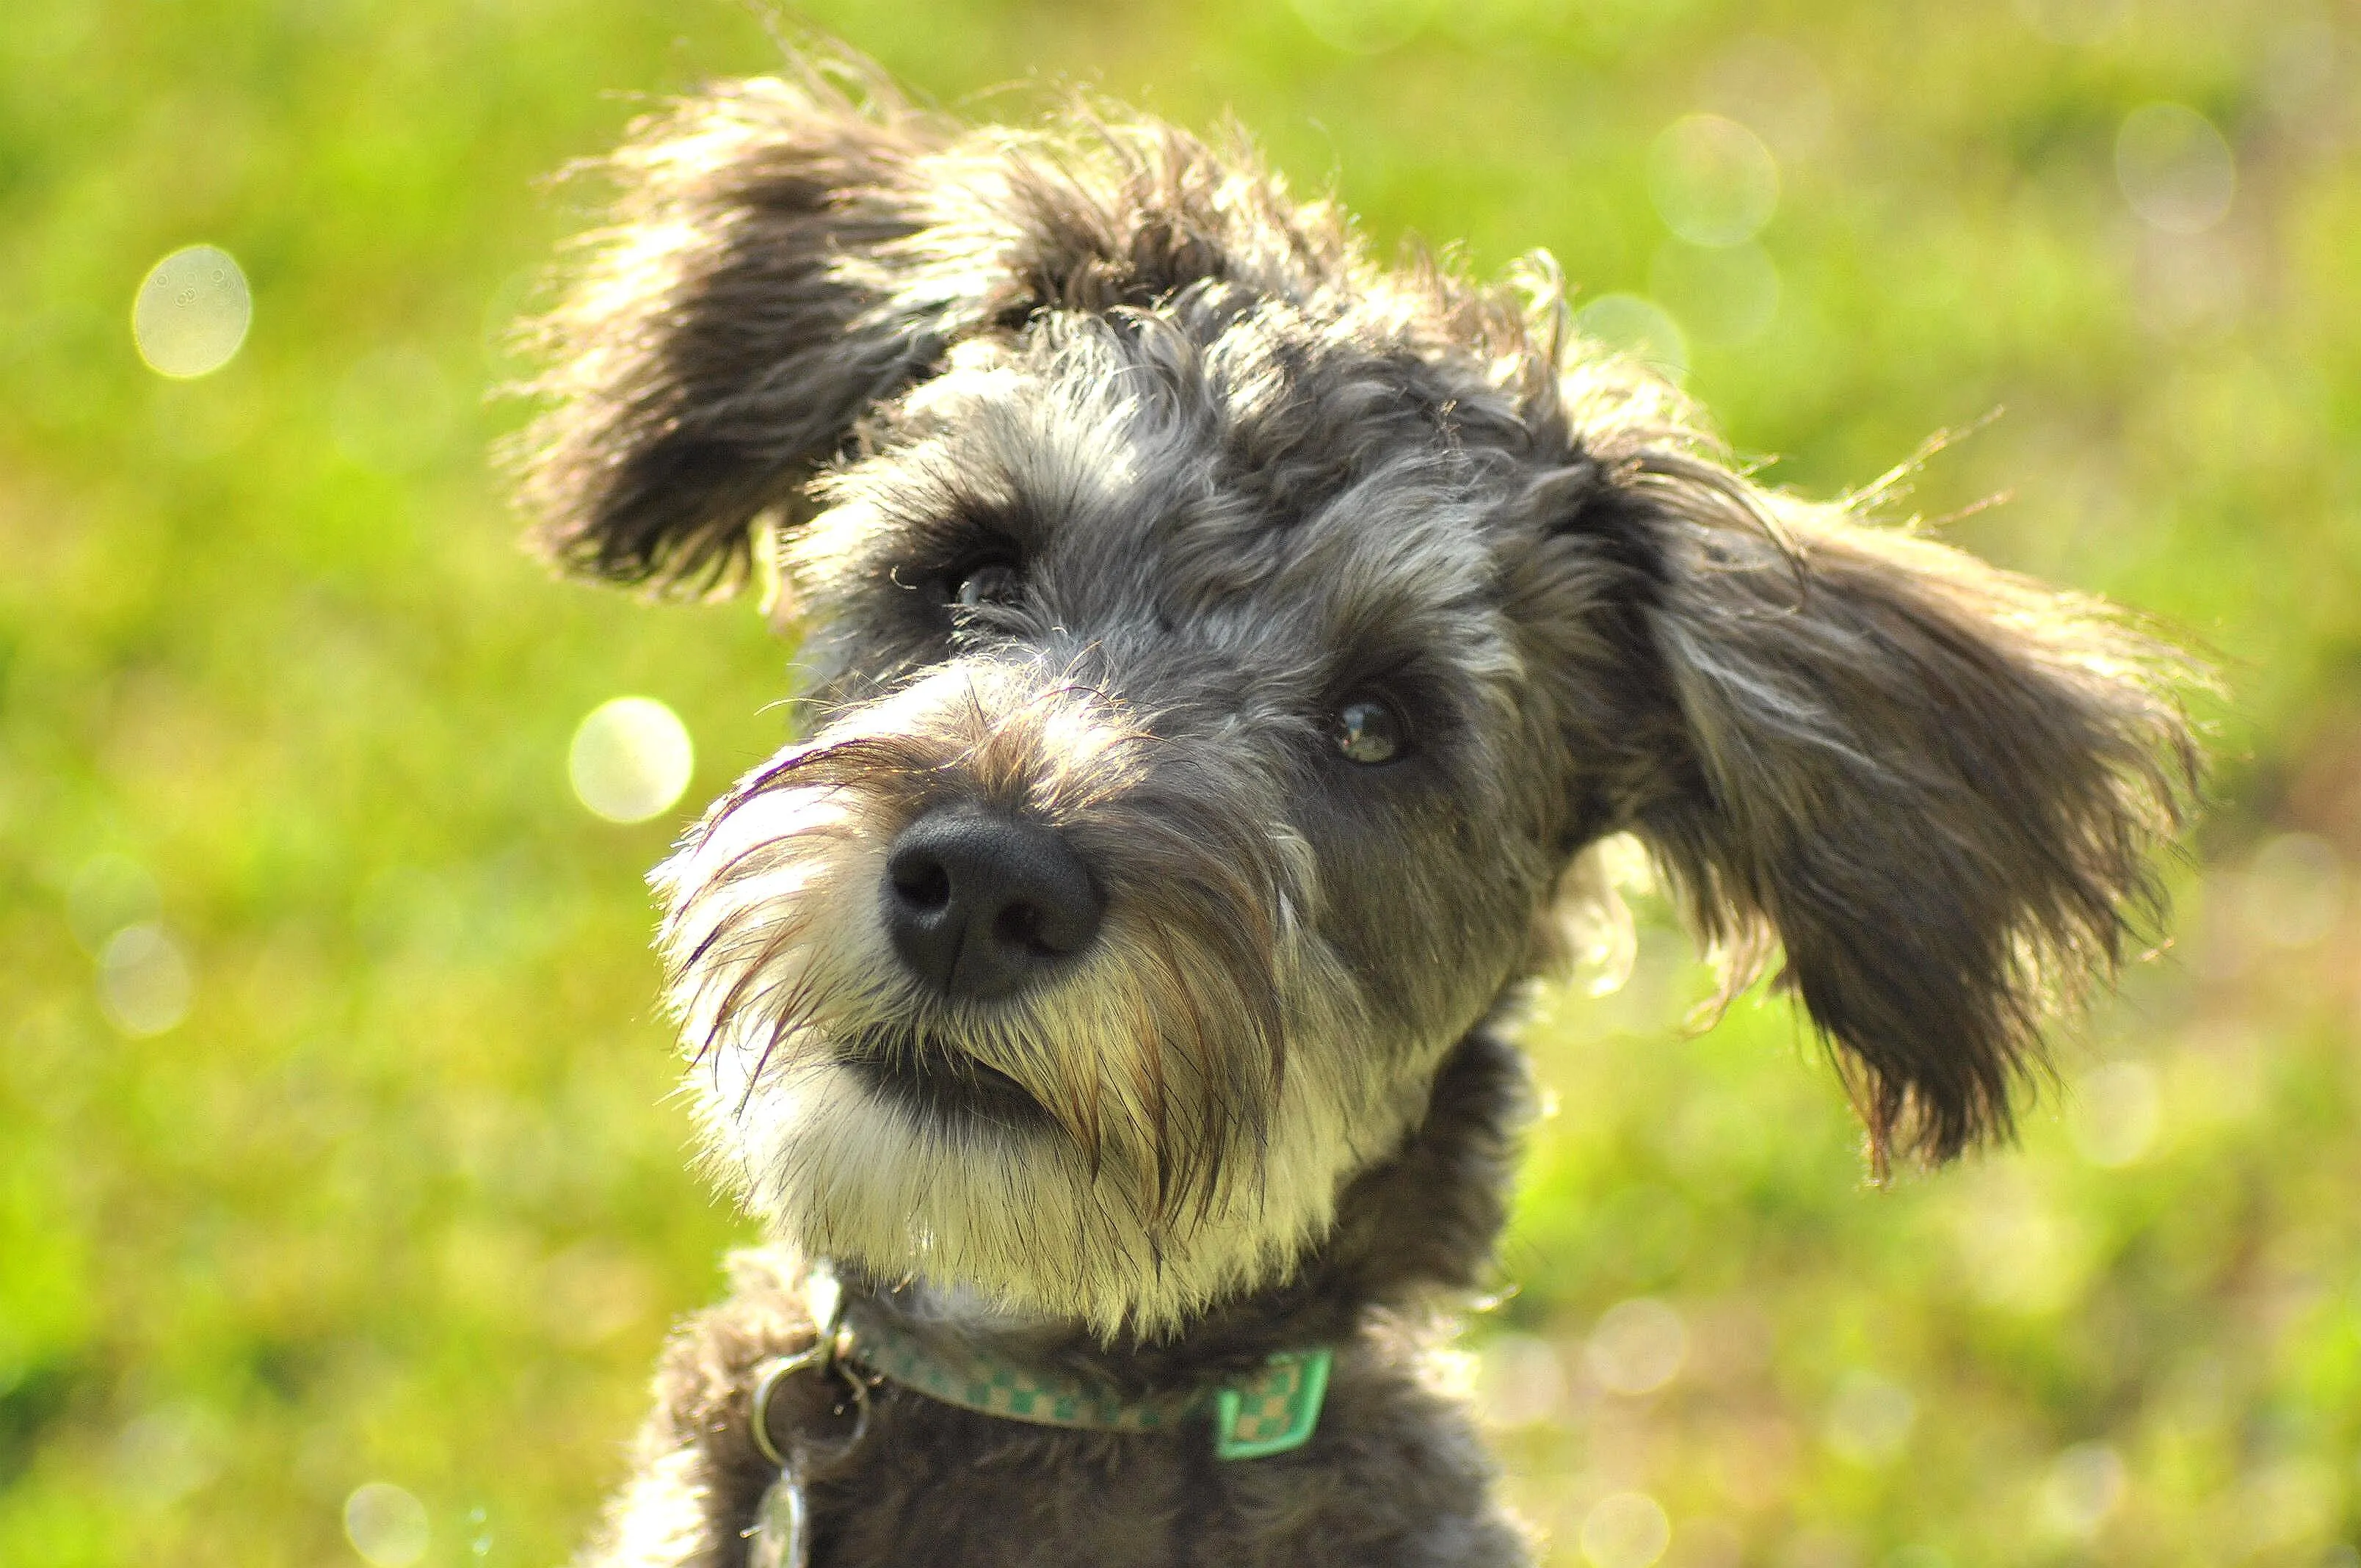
923,1166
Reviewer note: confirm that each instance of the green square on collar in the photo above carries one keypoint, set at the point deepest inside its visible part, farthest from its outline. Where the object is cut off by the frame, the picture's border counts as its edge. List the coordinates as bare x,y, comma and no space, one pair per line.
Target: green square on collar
1274,1410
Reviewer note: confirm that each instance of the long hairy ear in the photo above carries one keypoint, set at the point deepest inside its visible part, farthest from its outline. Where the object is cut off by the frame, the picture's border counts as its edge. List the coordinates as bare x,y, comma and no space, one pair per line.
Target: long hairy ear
722,336
1934,784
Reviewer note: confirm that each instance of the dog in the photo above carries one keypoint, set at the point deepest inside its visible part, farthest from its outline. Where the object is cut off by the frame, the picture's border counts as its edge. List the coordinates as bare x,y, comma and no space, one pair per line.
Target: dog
1227,659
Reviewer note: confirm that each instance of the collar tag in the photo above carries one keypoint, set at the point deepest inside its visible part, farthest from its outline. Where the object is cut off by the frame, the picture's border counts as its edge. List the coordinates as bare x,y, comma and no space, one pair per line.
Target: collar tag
1275,1410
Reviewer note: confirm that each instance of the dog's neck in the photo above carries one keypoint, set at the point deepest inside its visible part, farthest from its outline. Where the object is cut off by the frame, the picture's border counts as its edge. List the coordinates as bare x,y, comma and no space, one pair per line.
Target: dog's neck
1418,1226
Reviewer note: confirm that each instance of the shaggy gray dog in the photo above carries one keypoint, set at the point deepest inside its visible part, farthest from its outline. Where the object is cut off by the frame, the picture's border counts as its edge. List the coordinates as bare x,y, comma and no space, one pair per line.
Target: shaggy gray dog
1228,657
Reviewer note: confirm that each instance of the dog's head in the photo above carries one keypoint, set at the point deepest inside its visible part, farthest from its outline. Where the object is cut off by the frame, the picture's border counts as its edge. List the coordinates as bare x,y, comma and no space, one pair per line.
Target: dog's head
1224,653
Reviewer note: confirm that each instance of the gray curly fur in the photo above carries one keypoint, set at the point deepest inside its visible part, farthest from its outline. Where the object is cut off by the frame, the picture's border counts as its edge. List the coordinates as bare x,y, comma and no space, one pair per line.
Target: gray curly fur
1245,473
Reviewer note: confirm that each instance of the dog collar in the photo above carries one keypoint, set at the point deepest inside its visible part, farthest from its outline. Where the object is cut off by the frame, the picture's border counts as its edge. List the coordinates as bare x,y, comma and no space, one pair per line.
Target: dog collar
1270,1410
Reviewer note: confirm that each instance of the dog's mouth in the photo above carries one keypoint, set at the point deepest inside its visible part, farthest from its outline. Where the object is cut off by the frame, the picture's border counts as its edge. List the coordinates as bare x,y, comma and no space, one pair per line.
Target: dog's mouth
940,1082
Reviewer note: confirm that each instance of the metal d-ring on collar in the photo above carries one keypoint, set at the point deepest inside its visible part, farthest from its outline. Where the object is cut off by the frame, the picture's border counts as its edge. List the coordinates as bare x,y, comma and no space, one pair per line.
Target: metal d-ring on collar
824,1355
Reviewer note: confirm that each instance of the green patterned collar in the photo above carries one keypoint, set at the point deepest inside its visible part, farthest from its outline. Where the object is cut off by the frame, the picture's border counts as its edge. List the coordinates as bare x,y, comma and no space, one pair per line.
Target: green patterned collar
1270,1410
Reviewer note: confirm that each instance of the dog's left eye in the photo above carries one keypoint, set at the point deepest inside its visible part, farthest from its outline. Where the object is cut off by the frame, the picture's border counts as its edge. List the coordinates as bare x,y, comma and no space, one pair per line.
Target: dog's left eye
1369,731
984,583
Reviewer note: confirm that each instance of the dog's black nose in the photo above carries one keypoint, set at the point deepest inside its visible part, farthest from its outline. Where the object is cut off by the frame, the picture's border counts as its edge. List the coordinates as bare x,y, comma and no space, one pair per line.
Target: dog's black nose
978,903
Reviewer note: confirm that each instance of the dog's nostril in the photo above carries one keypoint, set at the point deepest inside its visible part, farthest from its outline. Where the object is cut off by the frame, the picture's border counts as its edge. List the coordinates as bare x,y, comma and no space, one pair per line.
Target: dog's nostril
921,882
977,903
1019,925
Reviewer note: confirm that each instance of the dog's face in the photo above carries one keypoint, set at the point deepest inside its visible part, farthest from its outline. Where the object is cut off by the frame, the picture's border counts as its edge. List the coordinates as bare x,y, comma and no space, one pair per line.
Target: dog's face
1177,803
1220,653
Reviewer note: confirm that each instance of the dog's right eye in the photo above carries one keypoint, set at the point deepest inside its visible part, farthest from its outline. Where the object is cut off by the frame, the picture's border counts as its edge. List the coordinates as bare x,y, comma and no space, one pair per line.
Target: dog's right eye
1368,731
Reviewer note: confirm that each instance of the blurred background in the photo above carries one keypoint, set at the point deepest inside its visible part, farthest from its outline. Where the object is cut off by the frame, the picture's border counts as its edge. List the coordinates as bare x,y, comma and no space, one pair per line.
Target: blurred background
341,1204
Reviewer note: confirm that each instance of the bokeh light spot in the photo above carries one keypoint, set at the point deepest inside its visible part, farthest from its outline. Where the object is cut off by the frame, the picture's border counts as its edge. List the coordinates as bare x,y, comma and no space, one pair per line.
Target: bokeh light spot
2115,1113
1713,181
1364,27
1625,1529
1871,1417
1639,327
387,1524
1638,1346
168,1453
2018,1247
145,982
2082,1488
2295,889
2174,168
192,313
1521,1381
631,759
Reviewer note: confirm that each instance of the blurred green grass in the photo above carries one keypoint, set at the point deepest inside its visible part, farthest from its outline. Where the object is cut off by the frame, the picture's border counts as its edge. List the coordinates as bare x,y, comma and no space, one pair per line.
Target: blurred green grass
402,1198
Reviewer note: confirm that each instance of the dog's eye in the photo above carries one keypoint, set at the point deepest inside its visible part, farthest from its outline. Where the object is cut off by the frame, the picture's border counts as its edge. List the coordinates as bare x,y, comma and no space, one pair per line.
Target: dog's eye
1369,731
982,583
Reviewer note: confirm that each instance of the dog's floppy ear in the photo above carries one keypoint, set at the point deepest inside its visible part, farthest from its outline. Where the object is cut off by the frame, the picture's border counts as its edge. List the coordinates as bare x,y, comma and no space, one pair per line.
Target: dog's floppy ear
1933,784
725,334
